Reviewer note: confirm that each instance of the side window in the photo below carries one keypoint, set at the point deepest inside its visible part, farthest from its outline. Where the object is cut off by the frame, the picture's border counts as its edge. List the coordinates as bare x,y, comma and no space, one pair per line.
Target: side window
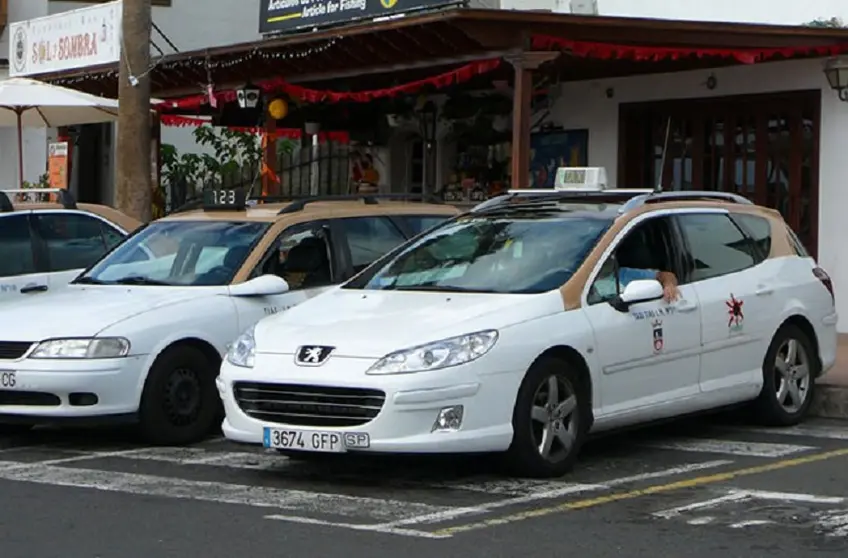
645,250
16,246
759,230
420,223
73,240
716,246
369,238
301,255
111,235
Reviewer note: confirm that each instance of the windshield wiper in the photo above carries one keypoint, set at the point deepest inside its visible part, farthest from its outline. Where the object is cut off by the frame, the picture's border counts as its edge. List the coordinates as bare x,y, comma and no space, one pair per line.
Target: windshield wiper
87,281
138,280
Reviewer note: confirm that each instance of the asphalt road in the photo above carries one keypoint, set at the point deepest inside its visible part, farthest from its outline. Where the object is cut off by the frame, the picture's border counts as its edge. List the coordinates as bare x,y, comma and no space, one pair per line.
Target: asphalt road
701,489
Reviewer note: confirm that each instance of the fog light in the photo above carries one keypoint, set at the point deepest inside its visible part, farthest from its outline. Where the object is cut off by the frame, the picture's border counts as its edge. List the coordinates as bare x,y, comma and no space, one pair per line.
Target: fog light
450,418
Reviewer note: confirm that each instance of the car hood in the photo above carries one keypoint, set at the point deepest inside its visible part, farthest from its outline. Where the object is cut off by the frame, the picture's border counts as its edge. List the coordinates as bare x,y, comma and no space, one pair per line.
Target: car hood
84,311
371,324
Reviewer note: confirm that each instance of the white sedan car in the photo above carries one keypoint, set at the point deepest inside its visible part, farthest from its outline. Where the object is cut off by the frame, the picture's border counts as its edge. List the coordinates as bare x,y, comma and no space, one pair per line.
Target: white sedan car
533,321
140,335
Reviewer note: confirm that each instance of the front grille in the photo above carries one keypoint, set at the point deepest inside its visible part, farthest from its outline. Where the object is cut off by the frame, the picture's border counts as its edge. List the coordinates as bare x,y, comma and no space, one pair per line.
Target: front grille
301,405
29,398
13,350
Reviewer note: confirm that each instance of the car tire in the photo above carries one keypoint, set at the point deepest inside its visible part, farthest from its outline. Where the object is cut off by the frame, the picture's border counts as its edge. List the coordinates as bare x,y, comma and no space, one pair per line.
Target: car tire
791,360
180,402
562,417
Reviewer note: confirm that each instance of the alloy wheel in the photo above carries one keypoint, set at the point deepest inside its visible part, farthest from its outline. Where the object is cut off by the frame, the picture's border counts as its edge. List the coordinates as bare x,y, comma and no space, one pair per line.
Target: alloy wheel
792,375
554,418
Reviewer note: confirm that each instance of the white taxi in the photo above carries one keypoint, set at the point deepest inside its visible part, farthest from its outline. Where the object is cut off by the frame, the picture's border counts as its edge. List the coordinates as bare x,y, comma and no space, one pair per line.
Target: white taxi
536,319
139,336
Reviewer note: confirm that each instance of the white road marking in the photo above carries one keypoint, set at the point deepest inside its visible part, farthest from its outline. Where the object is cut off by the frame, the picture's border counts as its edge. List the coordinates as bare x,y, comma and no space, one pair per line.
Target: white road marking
359,527
198,456
701,520
794,497
751,523
734,496
803,430
833,523
216,492
562,490
542,489
728,447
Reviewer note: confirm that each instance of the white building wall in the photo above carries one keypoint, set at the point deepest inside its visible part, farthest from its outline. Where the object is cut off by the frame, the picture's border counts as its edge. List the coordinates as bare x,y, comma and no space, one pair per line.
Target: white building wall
749,11
585,105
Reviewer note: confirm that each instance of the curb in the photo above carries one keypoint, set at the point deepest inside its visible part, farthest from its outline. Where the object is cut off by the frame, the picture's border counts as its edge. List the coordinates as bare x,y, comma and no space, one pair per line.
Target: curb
830,401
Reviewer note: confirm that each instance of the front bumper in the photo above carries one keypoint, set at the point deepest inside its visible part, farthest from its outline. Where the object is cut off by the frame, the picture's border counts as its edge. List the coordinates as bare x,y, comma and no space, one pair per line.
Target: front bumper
404,423
72,388
828,340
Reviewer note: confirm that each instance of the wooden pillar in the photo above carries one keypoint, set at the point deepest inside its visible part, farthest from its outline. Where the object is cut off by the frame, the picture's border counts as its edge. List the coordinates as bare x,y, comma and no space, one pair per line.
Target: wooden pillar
269,164
524,63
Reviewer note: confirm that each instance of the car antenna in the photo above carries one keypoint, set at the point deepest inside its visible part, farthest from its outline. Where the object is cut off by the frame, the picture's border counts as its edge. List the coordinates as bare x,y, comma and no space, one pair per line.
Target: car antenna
659,187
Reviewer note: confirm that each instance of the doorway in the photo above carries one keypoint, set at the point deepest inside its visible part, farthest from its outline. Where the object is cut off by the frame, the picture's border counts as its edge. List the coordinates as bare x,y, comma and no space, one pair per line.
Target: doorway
763,147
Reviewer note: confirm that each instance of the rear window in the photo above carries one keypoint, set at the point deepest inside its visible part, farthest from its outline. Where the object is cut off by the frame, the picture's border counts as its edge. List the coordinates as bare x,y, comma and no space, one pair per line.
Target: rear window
759,229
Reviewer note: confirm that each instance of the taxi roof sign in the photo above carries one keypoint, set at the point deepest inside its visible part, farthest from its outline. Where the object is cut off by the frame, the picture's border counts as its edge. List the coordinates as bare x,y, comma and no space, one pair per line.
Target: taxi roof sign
581,178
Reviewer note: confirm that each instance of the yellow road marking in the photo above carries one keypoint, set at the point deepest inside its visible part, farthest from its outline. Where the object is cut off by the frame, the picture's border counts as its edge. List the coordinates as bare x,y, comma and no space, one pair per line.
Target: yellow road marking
632,494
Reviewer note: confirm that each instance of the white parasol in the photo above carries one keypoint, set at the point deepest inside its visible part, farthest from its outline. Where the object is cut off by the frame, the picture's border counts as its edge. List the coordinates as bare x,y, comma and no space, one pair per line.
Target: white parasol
30,103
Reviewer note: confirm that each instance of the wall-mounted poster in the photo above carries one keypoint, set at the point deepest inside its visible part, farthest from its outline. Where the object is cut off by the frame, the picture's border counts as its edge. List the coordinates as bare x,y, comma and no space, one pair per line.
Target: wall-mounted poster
552,149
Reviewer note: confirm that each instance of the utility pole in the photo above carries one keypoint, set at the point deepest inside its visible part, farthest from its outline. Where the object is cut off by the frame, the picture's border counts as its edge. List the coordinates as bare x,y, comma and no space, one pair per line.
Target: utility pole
134,195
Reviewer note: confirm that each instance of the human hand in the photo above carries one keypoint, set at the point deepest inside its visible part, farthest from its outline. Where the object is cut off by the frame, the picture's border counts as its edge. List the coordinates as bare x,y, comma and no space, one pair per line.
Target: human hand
670,293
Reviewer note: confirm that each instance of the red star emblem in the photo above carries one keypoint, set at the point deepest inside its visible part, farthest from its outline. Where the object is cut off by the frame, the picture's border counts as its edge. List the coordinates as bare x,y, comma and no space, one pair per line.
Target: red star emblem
734,310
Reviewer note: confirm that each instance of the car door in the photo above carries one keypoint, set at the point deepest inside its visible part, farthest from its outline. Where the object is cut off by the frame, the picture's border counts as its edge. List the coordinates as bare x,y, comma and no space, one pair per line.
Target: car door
72,241
307,256
649,353
21,272
724,271
365,239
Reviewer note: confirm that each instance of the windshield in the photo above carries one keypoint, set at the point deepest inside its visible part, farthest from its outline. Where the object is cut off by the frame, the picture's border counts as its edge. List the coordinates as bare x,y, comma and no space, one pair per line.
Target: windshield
513,253
178,253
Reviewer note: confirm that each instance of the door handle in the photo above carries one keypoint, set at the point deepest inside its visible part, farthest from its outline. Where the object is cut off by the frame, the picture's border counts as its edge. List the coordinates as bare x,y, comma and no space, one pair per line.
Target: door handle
32,288
763,290
686,306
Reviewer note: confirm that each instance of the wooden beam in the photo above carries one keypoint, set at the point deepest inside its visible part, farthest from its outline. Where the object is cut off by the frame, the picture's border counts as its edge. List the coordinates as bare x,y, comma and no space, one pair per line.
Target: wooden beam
524,63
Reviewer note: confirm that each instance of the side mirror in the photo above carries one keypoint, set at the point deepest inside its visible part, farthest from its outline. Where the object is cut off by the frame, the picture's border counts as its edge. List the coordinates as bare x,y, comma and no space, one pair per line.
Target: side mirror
264,285
642,290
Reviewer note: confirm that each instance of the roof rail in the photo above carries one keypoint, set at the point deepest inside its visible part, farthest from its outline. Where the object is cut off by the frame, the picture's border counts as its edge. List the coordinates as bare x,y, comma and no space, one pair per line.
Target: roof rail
298,203
66,198
550,195
688,195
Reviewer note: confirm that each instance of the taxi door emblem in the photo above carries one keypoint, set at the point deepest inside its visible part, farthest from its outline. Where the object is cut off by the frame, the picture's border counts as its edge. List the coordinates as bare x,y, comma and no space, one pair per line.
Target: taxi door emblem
658,335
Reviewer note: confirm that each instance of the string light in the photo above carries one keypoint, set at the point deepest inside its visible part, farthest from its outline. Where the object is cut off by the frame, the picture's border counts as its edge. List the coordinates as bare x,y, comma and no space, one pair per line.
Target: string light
193,63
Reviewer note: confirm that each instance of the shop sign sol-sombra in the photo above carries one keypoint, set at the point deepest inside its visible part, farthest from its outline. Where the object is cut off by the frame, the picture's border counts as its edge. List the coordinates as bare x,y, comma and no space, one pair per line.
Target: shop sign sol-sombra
280,16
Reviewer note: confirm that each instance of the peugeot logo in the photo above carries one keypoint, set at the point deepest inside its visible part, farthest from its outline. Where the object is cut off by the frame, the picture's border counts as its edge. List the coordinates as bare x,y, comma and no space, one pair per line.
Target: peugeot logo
312,355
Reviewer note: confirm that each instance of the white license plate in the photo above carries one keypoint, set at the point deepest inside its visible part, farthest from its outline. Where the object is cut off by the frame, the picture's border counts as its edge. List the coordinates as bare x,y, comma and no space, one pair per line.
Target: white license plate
312,440
8,379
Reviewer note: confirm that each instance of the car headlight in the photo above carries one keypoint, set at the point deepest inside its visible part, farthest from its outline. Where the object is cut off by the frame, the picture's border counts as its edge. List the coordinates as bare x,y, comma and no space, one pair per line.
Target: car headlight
243,350
439,354
92,348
